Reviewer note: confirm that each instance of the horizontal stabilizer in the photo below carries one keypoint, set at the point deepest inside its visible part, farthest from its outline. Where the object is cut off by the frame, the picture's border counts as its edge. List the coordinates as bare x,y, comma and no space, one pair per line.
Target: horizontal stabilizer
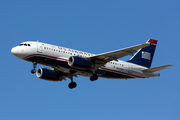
154,69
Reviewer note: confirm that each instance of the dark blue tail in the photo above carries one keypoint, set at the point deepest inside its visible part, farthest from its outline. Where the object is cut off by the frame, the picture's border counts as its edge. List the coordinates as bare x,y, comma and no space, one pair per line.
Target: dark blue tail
145,55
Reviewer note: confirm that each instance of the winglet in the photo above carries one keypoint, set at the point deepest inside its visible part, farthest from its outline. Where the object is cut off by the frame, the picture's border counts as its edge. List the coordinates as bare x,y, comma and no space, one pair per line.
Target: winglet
152,41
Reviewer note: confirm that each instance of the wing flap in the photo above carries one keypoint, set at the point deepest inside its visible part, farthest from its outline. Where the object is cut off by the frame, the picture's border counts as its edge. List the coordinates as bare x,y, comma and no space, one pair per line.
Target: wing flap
154,69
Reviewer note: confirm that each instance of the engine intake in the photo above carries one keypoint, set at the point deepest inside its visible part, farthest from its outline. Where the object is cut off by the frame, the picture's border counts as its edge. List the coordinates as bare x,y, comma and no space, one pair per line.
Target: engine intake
46,74
80,63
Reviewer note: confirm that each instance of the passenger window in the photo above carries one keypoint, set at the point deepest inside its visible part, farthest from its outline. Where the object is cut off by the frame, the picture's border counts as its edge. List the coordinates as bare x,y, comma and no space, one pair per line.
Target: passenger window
29,45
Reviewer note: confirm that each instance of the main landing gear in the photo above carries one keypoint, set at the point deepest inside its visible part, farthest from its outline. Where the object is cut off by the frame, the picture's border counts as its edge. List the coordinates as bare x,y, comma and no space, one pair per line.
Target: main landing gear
34,68
72,84
93,77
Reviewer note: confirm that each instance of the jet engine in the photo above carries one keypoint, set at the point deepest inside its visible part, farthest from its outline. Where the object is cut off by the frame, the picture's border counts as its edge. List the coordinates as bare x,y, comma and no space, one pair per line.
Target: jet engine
80,63
47,74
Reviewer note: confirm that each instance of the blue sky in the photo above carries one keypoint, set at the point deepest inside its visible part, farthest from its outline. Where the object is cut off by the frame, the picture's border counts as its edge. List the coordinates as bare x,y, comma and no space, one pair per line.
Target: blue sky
95,26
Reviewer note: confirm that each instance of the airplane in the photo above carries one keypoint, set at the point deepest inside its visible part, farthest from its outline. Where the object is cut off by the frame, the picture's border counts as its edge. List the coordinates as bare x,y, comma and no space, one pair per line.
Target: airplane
69,63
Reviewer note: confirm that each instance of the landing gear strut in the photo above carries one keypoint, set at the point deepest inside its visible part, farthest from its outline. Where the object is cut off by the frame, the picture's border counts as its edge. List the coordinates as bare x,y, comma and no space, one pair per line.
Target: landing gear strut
72,84
34,68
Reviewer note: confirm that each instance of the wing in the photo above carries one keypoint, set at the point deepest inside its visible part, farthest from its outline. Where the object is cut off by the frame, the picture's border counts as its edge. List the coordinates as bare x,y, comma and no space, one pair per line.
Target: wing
102,59
114,55
64,75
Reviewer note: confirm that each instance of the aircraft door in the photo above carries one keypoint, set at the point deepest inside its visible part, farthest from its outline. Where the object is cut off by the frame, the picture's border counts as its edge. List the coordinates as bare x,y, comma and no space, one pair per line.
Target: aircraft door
39,47
130,70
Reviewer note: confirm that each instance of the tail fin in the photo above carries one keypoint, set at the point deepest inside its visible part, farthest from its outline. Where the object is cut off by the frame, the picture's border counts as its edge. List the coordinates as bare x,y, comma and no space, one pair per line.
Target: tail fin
145,55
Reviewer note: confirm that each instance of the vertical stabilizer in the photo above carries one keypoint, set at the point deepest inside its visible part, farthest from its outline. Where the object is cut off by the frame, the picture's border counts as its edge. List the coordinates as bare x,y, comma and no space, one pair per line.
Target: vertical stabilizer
145,55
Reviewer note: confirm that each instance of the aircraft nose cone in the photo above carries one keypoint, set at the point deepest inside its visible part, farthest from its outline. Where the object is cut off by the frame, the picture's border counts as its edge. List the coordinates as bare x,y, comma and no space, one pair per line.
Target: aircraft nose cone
13,51
18,52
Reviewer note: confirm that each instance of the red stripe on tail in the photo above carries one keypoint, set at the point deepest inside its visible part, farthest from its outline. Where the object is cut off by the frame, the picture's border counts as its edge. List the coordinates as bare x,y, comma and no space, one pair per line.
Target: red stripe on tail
152,41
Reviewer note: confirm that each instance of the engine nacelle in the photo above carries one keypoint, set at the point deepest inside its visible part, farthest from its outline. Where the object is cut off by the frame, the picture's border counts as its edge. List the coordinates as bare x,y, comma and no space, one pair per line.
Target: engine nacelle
80,63
46,74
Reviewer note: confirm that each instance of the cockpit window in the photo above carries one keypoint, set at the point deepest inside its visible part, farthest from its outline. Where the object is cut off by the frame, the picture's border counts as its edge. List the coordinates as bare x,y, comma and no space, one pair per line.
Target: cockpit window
24,44
21,45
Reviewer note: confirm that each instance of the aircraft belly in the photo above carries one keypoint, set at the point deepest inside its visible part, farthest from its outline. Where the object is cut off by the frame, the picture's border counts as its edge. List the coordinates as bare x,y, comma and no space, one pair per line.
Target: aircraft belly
62,65
113,75
49,61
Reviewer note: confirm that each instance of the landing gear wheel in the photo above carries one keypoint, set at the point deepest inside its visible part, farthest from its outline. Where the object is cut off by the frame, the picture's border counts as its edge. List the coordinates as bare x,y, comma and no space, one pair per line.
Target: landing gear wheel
33,71
94,77
72,85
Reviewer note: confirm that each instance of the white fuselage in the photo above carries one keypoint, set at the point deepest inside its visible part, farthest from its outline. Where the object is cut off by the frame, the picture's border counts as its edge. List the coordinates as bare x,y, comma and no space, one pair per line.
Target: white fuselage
57,57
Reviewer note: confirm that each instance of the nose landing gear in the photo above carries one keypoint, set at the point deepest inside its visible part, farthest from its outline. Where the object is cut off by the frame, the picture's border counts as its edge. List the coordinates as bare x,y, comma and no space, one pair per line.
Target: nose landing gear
34,68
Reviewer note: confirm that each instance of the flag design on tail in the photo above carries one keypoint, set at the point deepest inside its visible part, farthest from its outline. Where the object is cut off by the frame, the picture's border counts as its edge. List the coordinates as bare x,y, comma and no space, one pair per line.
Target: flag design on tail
145,55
